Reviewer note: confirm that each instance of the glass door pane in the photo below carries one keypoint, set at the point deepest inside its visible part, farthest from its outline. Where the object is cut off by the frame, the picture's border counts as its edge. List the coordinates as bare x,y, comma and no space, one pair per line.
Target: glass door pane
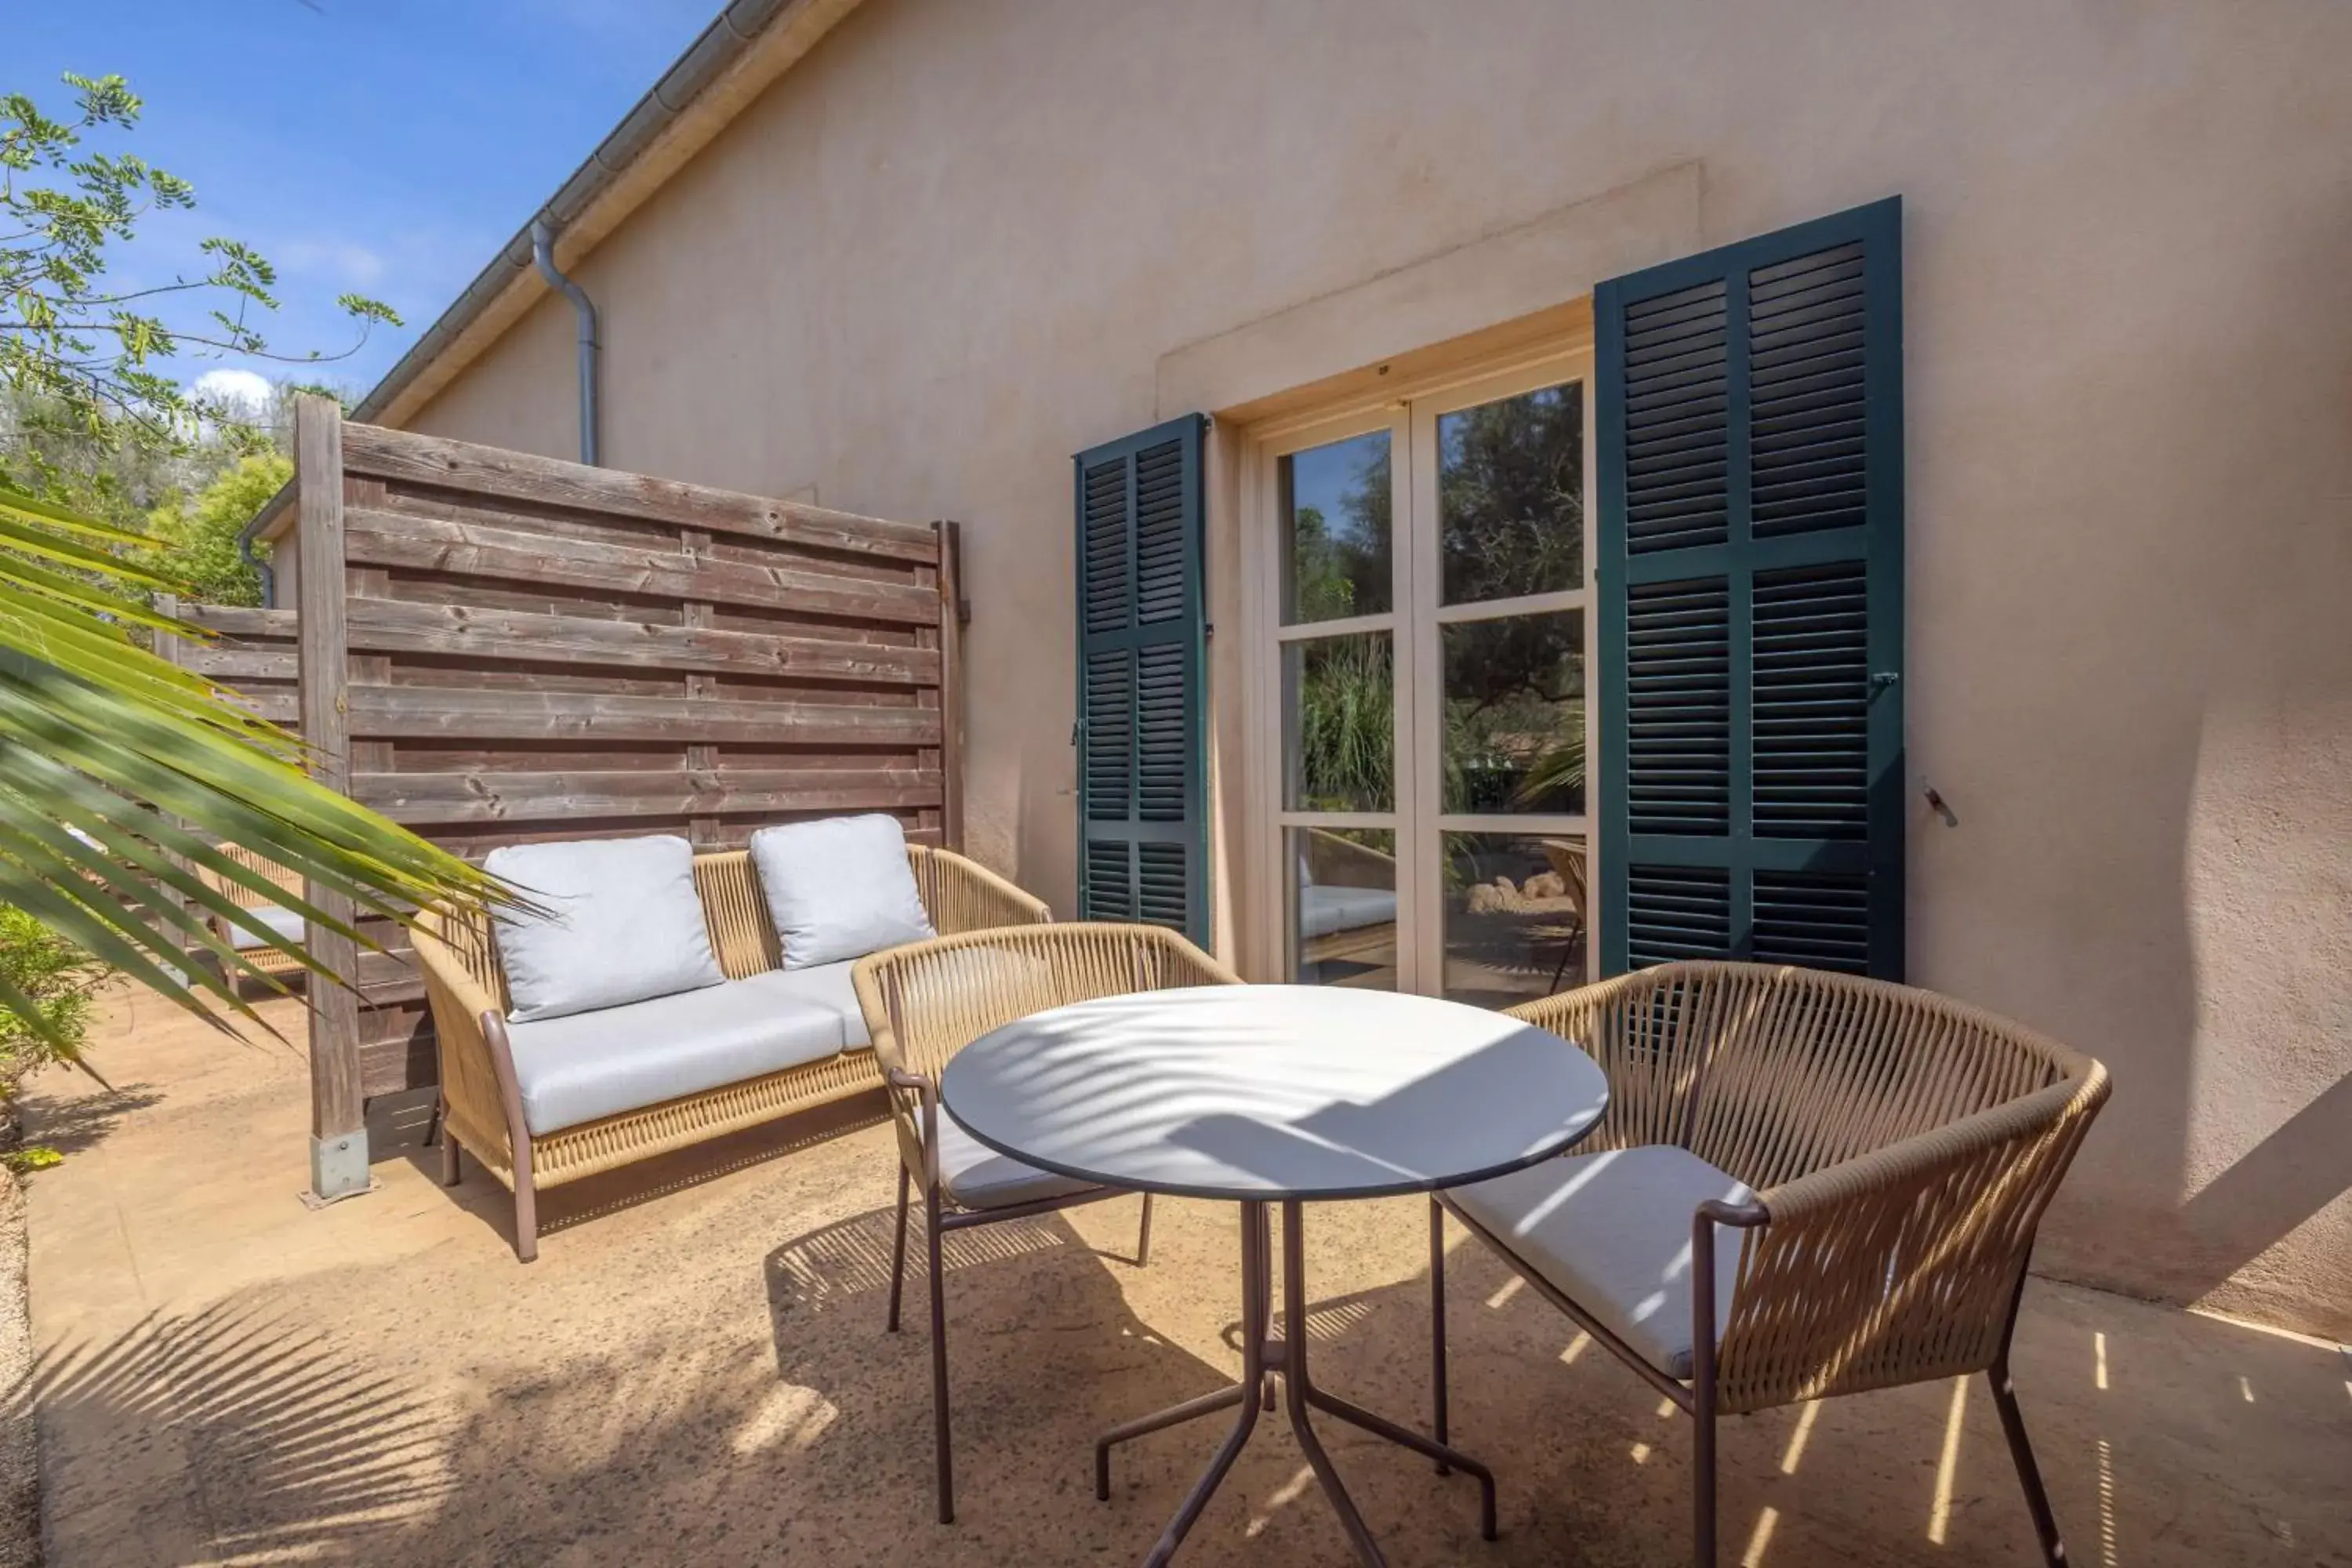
1337,559
1514,698
1510,497
1514,918
1343,906
1339,699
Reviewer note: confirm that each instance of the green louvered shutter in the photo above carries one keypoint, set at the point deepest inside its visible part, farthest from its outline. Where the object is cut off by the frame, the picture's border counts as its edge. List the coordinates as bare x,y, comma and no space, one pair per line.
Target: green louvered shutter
1142,681
1751,594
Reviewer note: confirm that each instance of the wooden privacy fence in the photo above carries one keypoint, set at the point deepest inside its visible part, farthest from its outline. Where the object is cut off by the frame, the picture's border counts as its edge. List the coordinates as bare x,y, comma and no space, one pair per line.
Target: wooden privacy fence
492,648
252,653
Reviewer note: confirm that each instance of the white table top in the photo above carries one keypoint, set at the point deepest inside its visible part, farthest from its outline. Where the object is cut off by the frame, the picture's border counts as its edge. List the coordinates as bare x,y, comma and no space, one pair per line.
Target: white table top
1255,1092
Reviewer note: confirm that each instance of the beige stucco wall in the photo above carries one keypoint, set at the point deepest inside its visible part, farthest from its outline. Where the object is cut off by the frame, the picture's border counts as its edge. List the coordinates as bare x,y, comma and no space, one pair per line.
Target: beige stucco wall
967,237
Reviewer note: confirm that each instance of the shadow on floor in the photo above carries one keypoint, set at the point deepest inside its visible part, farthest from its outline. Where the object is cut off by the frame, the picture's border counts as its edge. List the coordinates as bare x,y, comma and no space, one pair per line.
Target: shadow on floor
71,1126
321,1452
405,1129
320,1428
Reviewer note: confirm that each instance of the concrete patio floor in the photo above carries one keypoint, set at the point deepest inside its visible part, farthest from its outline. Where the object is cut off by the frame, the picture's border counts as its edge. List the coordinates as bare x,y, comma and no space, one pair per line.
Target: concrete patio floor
696,1371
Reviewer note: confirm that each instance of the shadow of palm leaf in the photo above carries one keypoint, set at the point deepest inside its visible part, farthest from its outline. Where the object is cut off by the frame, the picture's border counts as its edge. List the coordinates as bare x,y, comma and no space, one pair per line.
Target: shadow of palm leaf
296,1448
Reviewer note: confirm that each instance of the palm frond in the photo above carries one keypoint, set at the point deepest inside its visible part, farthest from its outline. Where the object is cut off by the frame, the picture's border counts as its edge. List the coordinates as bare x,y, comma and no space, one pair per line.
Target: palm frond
123,775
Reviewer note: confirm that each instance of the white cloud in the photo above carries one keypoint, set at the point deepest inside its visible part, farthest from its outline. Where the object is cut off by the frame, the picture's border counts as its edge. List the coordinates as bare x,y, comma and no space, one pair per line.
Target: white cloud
246,391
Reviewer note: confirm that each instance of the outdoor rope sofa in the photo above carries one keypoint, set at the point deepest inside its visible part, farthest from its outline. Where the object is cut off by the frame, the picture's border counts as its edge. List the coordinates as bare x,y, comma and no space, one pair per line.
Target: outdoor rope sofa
927,1001
267,960
483,1107
1806,1184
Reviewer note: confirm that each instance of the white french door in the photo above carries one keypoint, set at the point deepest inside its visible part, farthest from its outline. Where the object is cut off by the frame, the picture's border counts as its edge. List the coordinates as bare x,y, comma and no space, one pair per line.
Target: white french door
1421,599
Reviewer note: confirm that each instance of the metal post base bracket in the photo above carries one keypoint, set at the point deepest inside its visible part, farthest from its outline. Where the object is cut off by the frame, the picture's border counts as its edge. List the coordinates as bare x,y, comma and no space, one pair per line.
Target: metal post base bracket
339,1168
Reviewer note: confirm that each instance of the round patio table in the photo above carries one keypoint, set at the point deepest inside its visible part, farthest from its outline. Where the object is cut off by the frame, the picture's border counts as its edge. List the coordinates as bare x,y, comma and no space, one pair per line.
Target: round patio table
1262,1095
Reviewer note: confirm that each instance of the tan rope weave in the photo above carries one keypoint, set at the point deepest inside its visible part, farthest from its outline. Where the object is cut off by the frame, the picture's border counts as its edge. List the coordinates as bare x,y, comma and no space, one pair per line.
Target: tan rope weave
463,980
926,1001
267,960
1904,1144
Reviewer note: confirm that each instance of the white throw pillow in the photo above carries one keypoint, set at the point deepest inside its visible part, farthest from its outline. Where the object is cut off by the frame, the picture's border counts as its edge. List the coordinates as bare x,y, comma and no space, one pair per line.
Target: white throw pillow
839,888
622,923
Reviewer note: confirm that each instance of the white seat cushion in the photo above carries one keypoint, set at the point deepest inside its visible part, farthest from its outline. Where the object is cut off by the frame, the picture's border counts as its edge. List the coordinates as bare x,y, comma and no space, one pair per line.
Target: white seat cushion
826,985
585,1065
1324,909
277,916
1611,1232
977,1178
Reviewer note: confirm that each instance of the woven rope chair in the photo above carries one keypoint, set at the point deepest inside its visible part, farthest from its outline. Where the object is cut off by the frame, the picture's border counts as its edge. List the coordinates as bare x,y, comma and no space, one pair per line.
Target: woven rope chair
1876,1160
481,1108
925,1003
1566,857
270,960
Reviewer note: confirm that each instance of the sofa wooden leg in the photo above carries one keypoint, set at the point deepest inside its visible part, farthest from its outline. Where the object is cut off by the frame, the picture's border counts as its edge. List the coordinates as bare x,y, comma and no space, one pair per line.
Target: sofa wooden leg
452,1171
898,1249
526,1220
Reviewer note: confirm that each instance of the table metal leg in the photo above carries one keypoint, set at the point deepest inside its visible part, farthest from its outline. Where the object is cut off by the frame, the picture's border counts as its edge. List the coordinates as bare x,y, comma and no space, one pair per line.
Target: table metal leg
1264,1362
1258,1310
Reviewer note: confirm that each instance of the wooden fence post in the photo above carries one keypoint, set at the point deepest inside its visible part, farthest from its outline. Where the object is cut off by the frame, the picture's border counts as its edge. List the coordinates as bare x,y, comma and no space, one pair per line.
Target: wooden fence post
170,647
339,1144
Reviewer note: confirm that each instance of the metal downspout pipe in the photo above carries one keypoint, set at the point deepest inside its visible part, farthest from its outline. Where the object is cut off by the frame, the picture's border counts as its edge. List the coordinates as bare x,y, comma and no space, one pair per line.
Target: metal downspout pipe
542,249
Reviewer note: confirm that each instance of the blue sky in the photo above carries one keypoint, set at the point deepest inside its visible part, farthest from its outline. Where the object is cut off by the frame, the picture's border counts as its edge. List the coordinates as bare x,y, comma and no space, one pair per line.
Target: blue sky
384,147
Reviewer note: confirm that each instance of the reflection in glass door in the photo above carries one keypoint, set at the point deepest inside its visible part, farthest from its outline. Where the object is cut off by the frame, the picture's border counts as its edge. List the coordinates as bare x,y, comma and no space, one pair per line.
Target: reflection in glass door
1340,582
1430,615
1504,610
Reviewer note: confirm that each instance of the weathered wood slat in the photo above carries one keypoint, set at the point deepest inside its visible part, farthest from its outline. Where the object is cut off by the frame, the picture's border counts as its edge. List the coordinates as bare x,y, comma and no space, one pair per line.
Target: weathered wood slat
242,620
390,713
392,966
399,626
397,1053
280,708
400,455
434,798
430,544
231,666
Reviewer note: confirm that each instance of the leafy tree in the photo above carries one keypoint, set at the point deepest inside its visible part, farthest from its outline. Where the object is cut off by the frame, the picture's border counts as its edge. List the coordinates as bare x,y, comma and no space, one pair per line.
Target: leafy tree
119,771
1510,485
196,537
94,350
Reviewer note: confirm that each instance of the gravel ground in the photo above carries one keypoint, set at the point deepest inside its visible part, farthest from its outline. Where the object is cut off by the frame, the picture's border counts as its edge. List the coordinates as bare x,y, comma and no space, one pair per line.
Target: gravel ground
20,1501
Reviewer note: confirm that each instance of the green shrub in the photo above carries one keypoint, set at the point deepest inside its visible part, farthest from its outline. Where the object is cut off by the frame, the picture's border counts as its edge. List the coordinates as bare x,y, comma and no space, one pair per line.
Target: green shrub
58,978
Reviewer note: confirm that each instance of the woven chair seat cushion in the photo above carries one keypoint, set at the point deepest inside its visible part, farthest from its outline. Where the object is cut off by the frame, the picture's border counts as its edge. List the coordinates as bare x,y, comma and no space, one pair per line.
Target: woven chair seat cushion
1611,1232
1325,909
277,916
583,1066
977,1178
